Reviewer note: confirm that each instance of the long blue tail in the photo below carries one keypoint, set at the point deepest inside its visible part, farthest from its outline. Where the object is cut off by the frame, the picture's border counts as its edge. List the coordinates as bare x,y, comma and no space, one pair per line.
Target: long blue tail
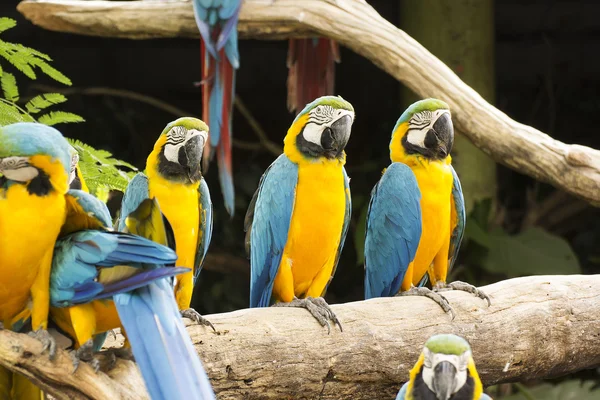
161,346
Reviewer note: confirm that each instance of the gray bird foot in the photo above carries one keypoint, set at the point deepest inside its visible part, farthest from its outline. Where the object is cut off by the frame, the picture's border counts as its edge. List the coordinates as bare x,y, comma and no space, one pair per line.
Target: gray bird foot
197,318
86,354
465,287
114,353
48,342
319,309
425,292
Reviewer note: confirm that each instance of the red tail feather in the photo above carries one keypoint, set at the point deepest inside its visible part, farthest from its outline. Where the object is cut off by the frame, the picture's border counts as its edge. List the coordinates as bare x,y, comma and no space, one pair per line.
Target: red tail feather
208,71
311,70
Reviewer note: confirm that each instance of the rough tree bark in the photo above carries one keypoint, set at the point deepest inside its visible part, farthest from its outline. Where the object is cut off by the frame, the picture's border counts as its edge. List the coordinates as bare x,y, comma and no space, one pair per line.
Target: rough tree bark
356,25
536,327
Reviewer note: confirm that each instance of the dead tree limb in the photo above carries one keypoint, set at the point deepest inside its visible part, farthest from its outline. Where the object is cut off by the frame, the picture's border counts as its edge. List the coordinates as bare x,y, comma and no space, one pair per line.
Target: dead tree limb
355,24
537,327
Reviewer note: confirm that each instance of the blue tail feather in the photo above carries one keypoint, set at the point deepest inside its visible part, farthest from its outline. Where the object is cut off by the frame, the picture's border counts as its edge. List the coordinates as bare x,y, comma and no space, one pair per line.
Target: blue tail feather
136,281
160,344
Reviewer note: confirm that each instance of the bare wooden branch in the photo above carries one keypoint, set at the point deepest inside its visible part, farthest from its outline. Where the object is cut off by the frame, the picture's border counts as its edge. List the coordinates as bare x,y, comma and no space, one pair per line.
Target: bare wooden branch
21,353
358,26
537,327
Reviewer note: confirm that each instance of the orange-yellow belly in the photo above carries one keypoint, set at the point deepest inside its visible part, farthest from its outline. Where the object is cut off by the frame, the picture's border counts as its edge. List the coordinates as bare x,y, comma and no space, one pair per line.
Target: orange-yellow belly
435,182
83,321
179,203
315,232
29,226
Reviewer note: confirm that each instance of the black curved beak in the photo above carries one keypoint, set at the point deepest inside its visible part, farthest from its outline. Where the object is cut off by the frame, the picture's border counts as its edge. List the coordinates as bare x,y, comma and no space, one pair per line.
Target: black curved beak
444,131
335,138
443,380
193,149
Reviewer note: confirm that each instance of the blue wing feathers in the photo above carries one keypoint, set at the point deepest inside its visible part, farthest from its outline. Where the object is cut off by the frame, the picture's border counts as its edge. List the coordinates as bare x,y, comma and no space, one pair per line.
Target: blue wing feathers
270,225
393,231
135,193
206,226
76,257
459,230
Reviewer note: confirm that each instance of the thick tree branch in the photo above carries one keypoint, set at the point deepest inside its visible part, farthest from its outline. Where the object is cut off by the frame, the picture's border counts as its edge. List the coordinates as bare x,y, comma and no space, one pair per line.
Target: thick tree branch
358,26
537,327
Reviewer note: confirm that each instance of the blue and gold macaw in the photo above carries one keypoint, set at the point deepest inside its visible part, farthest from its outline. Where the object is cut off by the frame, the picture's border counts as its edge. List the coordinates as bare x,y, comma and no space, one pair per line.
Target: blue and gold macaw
217,22
298,219
173,176
102,280
35,162
445,370
311,63
416,216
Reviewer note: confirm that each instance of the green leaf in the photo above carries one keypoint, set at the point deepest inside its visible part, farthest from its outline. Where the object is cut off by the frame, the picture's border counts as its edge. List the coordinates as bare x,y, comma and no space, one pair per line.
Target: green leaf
531,252
567,390
100,169
59,117
9,87
53,73
6,24
360,233
42,101
10,114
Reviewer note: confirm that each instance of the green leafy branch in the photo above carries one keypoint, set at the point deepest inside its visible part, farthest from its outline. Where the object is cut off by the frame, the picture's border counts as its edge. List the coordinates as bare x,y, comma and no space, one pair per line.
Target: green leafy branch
26,60
100,170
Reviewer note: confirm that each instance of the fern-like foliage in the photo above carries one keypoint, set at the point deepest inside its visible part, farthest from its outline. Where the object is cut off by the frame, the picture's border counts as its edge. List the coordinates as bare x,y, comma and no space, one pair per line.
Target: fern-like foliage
100,170
27,60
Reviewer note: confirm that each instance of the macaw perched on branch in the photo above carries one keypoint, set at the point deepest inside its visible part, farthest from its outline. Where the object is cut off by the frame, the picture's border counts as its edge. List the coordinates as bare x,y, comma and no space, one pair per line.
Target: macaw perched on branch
35,162
298,218
217,22
173,176
311,64
445,370
94,266
416,217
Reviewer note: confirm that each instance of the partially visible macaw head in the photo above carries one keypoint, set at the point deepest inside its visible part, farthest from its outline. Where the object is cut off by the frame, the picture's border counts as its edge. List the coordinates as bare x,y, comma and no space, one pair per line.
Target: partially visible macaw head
448,366
179,150
35,153
76,180
425,129
321,129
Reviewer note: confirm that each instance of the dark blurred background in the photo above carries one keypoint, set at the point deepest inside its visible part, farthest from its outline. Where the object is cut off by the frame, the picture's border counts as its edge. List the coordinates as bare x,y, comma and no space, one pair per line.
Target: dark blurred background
540,67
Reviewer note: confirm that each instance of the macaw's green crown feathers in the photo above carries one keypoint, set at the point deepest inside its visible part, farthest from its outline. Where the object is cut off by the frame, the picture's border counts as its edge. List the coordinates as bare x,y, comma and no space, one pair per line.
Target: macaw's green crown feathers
421,105
336,102
188,123
447,344
26,139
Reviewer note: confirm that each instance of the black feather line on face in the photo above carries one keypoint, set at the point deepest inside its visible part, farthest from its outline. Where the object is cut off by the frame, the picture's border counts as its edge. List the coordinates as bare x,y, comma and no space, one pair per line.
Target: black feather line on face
40,185
171,170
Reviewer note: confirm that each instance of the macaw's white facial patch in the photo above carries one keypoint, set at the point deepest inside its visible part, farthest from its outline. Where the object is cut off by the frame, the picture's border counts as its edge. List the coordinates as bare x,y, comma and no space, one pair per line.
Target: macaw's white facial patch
17,169
420,123
319,118
460,363
177,137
